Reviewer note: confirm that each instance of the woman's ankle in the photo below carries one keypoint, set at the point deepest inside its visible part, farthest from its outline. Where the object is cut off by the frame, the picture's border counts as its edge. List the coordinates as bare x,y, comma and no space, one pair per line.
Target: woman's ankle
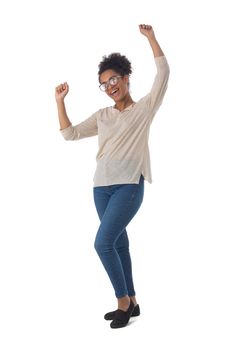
133,298
123,303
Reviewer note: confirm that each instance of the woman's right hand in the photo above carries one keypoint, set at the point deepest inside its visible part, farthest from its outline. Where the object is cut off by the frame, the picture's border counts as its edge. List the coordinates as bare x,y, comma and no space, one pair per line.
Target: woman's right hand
61,91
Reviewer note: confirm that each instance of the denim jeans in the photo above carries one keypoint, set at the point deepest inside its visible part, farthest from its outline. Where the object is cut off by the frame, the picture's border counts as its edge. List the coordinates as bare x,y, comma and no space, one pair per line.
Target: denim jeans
116,205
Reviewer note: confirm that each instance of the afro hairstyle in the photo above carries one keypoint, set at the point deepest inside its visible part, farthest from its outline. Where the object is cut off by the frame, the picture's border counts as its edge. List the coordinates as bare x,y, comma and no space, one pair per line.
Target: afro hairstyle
116,62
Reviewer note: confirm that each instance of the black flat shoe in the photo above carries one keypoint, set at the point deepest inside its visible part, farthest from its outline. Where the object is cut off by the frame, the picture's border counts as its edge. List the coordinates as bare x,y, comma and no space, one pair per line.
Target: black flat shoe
110,315
121,317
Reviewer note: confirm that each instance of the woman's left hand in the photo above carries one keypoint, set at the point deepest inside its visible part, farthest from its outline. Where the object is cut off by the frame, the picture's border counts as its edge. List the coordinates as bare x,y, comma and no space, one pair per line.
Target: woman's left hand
146,30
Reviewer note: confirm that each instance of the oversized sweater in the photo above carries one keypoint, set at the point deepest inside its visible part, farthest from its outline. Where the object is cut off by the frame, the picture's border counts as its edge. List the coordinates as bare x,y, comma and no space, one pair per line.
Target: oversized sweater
123,153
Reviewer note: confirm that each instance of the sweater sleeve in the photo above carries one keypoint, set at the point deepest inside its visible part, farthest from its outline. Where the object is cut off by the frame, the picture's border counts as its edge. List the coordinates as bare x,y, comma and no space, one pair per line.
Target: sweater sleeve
153,100
87,128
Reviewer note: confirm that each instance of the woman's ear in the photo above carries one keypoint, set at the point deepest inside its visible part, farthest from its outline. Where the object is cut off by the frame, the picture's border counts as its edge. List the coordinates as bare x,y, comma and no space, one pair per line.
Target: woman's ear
126,77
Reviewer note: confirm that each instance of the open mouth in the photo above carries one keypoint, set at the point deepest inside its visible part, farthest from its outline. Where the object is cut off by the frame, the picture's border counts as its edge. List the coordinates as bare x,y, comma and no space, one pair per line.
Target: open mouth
114,92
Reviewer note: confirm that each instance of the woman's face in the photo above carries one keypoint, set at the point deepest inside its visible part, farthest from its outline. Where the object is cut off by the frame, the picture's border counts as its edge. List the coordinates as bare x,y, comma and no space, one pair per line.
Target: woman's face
116,85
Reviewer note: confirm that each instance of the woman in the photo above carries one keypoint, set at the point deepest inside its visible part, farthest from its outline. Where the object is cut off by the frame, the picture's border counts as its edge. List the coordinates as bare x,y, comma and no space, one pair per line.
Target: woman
123,162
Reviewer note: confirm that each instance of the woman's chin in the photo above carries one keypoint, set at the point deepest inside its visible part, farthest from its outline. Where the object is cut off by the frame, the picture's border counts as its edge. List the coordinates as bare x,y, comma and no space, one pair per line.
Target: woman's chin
116,98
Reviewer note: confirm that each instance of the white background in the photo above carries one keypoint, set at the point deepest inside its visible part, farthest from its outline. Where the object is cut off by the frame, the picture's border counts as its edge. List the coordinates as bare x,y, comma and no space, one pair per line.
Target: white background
54,290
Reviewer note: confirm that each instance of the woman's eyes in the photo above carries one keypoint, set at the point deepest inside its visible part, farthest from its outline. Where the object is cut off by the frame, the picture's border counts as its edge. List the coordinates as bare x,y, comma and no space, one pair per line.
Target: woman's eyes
113,80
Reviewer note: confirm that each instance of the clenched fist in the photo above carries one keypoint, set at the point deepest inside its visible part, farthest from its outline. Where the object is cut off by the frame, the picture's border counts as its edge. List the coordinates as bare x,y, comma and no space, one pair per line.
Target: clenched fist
61,91
146,30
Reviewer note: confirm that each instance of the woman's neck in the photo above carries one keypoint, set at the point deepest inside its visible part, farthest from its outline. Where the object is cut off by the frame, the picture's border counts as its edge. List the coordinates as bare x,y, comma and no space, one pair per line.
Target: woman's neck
126,102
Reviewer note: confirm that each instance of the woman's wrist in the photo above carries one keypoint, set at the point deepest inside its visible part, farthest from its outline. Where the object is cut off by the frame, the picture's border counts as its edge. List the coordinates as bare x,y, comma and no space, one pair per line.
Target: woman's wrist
60,101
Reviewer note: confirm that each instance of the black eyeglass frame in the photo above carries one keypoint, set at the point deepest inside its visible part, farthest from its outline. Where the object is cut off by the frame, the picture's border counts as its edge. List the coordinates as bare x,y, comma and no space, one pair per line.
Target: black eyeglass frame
111,81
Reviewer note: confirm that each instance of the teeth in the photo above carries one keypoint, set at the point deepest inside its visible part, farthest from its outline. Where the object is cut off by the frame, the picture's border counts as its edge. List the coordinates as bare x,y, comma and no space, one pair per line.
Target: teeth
114,91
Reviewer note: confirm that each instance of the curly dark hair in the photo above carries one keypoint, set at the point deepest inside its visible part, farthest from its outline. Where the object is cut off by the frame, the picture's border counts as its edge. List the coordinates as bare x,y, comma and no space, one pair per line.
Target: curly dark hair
116,62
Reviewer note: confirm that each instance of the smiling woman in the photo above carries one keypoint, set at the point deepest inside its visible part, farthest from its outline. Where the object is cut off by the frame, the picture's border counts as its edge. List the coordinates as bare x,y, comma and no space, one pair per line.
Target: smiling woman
114,72
123,162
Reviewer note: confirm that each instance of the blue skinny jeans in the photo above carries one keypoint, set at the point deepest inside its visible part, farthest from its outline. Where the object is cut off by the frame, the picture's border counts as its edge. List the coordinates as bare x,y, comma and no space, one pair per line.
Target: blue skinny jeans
116,205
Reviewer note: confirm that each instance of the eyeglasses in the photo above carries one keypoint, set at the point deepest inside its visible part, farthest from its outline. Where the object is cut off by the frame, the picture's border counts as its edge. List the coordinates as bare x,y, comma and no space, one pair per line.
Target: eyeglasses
111,81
